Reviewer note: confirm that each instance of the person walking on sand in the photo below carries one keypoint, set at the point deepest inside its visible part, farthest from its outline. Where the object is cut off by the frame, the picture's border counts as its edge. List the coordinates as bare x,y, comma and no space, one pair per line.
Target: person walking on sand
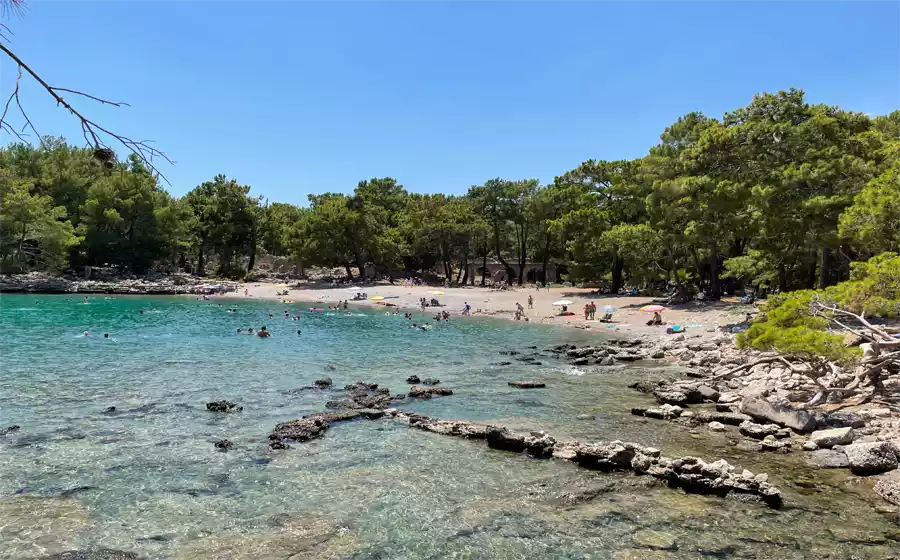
530,302
587,311
593,310
467,309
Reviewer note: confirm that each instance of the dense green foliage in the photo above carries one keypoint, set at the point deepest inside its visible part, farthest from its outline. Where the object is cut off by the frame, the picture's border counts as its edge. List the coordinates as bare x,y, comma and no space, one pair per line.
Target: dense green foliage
792,325
780,194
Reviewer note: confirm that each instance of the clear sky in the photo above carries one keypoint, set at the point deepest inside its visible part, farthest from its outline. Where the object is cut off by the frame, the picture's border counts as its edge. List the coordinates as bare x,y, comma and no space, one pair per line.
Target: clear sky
301,97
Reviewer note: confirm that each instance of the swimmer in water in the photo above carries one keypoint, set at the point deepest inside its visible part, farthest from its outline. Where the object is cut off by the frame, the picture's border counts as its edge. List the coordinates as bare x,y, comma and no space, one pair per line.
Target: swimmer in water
298,332
263,333
270,315
85,299
142,311
239,331
86,333
106,335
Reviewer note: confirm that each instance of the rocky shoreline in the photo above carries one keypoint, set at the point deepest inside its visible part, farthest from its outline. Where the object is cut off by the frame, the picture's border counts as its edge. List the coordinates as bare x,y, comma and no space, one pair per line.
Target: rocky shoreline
760,402
41,283
369,401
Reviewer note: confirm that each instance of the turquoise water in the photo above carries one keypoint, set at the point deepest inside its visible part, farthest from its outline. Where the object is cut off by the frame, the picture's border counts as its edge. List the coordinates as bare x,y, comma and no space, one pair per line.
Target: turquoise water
147,478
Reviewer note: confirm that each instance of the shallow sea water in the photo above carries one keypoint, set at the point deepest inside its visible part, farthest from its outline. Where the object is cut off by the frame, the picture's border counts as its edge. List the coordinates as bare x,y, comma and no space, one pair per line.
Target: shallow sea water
147,478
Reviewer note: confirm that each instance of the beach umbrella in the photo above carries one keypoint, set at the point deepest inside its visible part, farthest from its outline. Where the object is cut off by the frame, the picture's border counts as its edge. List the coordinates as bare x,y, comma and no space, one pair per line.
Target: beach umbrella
377,298
563,302
283,285
354,288
437,293
653,309
608,309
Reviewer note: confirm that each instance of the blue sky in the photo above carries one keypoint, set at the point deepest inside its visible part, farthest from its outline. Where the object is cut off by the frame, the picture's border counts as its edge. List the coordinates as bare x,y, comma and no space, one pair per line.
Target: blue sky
301,97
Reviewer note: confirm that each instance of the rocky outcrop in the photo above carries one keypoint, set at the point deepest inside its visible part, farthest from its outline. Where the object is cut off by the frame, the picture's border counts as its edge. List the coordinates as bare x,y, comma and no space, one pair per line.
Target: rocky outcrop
413,379
826,439
38,282
298,431
689,473
872,458
527,384
323,383
223,445
223,406
430,381
799,420
428,392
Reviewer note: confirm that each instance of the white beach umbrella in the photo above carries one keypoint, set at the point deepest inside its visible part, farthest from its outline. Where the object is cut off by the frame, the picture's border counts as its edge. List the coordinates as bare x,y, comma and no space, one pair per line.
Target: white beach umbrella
354,288
563,302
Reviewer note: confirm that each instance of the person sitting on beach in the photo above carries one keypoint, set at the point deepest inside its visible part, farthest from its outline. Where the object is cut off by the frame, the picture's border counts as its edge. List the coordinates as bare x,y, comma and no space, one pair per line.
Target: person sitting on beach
656,320
263,333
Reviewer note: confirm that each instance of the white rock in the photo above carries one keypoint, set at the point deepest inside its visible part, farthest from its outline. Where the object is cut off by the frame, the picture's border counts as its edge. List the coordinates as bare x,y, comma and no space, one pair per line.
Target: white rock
826,439
716,427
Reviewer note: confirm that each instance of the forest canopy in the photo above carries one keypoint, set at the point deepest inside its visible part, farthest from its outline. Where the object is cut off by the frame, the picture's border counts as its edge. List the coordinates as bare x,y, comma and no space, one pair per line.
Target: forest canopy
779,194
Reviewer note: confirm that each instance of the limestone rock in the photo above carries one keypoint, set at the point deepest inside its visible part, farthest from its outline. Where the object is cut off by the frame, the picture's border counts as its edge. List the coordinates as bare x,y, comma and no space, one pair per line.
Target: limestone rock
758,431
829,459
796,419
708,393
872,457
826,439
889,488
716,427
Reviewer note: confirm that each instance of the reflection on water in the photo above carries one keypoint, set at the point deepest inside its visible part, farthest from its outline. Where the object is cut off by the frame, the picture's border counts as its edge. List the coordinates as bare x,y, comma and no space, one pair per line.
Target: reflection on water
146,478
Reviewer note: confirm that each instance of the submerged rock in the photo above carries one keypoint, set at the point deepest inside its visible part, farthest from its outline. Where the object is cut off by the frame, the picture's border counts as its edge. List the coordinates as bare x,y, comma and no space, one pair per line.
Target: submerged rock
828,459
101,554
430,381
872,458
413,379
9,429
110,409
223,406
527,384
223,445
501,363
330,417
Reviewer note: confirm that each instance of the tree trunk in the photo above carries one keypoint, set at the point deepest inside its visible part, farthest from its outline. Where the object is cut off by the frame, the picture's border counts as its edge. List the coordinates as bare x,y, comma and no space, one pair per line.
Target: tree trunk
811,272
349,272
465,267
360,265
617,266
483,268
546,260
252,262
201,271
825,268
714,289
522,254
782,278
500,259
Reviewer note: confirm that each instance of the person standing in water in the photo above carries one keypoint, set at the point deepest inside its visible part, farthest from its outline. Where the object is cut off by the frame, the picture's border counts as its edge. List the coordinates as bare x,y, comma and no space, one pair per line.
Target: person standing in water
263,333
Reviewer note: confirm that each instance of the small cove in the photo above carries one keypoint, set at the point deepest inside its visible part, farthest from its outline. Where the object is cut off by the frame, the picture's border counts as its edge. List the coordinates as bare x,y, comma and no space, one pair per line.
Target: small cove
147,479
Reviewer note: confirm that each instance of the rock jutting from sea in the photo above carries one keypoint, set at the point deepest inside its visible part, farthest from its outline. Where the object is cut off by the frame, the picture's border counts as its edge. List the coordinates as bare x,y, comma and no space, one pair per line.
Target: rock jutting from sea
158,284
368,401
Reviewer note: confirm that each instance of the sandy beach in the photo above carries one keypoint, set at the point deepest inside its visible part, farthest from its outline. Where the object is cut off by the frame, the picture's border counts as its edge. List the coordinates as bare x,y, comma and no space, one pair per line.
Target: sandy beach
628,319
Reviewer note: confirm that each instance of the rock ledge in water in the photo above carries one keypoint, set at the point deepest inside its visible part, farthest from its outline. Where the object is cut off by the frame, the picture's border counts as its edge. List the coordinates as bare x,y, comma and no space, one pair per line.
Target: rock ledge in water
689,473
223,406
527,384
